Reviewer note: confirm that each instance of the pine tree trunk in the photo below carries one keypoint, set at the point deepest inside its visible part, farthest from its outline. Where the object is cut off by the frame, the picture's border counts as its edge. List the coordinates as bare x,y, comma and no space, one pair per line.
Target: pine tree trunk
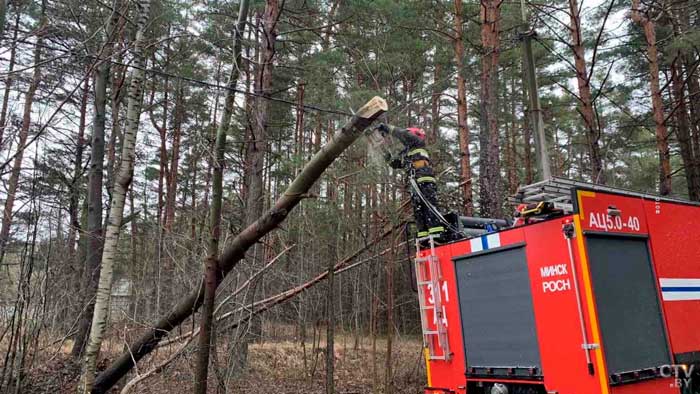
258,144
3,13
13,182
511,146
656,99
163,156
9,80
683,131
121,185
174,159
434,135
94,198
73,205
585,96
75,259
195,157
681,22
212,139
490,193
212,271
256,147
299,125
252,83
388,365
330,306
694,94
462,122
162,129
291,197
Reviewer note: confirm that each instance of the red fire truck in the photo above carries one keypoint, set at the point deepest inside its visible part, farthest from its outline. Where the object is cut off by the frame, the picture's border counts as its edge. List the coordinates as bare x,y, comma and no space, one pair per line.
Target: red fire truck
603,298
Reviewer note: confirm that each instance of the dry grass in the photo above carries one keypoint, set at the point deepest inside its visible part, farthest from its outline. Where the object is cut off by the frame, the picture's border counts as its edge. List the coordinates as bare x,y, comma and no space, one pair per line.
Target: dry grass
275,363
274,367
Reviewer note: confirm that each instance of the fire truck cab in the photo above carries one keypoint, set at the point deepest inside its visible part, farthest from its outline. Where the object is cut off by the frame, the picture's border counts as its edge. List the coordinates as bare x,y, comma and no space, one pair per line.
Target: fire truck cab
604,299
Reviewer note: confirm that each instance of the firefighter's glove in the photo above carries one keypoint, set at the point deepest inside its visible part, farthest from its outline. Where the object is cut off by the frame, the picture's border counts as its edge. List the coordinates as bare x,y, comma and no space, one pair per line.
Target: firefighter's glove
395,163
383,128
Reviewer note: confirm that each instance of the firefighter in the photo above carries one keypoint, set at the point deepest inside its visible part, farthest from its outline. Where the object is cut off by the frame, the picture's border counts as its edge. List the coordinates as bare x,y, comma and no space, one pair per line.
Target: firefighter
415,159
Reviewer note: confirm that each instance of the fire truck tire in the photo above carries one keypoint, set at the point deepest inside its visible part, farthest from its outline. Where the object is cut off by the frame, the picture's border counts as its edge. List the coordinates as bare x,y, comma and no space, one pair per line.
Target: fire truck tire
501,388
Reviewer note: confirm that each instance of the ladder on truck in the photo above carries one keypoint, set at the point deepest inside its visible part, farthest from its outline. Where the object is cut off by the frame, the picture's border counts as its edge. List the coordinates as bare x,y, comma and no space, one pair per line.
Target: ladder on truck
428,281
559,191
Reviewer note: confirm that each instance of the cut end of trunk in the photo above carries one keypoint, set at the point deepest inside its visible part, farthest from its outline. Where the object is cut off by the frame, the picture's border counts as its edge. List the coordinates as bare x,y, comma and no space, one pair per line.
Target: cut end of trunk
374,107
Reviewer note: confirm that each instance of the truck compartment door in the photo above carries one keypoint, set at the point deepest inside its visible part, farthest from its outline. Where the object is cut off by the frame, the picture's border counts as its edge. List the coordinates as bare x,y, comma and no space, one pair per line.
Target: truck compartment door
498,321
629,314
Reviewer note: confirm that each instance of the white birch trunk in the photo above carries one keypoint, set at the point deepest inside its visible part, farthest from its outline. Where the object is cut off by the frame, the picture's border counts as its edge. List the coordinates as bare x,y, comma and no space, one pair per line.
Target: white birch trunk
126,171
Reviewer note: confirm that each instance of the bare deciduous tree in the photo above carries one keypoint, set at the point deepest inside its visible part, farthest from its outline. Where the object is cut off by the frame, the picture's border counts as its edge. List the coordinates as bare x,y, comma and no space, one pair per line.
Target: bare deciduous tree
126,172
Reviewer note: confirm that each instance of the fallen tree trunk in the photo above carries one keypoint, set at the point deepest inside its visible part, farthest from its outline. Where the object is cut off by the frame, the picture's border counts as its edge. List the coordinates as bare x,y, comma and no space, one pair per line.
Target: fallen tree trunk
340,267
263,305
244,240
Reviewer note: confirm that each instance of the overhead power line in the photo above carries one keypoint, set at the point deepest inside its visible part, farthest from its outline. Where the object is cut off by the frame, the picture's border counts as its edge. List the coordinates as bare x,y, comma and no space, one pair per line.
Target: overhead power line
310,107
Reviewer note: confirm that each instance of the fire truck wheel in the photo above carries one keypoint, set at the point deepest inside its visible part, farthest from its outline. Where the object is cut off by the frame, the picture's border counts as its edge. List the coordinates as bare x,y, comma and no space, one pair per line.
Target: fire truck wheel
498,388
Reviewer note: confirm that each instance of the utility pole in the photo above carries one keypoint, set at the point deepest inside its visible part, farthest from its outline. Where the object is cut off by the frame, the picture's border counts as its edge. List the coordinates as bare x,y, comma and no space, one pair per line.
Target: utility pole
532,92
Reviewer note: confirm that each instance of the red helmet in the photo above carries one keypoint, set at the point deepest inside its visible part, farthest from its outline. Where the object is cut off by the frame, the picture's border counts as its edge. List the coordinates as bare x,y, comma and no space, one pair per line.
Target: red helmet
417,131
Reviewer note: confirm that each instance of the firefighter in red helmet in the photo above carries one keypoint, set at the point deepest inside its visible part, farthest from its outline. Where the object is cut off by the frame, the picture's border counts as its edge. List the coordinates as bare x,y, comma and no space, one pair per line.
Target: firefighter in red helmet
415,159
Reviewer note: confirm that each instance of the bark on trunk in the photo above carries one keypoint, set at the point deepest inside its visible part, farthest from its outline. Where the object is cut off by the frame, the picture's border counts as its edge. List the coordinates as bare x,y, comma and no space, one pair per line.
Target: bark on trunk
681,21
388,362
121,185
212,270
462,122
585,96
73,208
299,125
163,155
490,194
3,12
9,80
94,198
511,146
160,205
330,306
257,146
434,135
694,94
23,134
252,82
174,159
656,99
74,201
683,131
117,75
244,240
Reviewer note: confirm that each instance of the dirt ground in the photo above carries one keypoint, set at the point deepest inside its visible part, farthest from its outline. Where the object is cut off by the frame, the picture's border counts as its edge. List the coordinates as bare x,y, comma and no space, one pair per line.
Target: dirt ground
274,367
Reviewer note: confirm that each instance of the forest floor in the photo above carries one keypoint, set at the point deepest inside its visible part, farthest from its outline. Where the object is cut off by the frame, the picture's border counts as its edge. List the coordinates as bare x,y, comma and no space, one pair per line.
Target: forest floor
280,367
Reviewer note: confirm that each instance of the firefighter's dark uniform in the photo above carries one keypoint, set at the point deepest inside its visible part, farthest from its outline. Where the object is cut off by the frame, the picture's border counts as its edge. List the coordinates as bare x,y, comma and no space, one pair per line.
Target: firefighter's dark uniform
415,159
